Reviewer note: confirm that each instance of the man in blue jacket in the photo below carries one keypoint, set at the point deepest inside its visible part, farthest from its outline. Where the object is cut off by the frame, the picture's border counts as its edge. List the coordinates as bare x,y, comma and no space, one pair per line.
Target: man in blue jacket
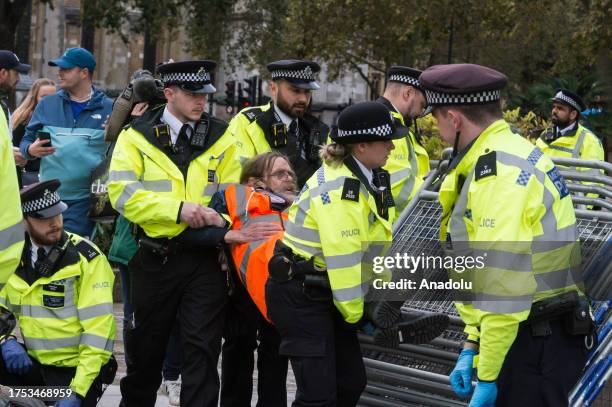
72,120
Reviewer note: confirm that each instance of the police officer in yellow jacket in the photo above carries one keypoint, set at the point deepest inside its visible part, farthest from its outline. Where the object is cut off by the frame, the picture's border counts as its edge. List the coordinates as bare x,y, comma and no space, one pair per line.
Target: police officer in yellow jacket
409,161
503,196
567,137
11,228
314,295
165,168
285,124
62,297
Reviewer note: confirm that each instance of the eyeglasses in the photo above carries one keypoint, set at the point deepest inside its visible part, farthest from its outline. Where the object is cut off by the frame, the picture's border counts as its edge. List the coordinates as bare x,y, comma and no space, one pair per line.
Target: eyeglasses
281,174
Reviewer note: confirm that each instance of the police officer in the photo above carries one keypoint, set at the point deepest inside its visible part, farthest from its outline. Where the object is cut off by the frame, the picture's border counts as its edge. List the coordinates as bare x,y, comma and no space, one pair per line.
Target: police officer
165,168
62,296
314,295
409,161
284,123
11,228
567,137
502,194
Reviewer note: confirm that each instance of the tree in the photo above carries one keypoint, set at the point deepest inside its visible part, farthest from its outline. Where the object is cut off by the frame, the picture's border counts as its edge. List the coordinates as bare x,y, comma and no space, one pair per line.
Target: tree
11,14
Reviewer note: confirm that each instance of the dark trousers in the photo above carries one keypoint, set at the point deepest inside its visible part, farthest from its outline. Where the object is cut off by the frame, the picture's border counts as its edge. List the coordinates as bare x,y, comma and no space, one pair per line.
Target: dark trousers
244,327
44,375
323,349
174,351
192,285
76,219
540,371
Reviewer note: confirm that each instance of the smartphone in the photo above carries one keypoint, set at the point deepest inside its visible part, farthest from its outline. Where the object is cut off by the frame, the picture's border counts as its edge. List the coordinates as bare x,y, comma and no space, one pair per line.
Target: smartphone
43,135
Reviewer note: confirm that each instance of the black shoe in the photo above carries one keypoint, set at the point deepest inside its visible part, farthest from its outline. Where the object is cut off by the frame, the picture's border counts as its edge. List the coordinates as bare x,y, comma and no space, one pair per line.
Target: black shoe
384,314
414,327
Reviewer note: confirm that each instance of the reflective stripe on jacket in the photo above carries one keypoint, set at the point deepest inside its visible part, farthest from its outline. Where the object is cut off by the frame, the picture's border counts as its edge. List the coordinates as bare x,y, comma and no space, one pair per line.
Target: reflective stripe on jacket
335,226
246,205
508,200
67,319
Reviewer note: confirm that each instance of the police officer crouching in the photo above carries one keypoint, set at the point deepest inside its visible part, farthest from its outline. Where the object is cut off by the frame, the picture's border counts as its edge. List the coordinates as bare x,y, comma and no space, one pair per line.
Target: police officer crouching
528,320
314,295
165,168
62,297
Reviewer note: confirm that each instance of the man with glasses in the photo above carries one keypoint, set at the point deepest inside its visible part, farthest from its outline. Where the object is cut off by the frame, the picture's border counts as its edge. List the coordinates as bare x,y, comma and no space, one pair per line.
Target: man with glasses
165,168
66,132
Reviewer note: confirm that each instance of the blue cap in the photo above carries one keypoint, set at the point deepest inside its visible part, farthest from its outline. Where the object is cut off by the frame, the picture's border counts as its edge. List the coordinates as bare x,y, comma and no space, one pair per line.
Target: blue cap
75,57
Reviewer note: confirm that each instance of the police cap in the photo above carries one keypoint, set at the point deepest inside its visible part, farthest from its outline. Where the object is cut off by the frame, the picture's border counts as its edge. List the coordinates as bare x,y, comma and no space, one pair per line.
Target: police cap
570,99
367,121
405,75
191,76
299,73
41,200
461,84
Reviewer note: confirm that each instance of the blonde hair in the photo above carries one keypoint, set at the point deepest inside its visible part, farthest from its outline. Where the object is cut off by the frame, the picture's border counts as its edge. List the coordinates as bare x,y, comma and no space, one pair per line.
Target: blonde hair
24,112
334,154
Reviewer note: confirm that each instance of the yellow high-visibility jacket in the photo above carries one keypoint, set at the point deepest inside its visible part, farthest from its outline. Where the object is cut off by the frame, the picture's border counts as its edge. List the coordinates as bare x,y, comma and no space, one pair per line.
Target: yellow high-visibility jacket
509,201
66,319
147,187
331,219
252,129
11,228
404,166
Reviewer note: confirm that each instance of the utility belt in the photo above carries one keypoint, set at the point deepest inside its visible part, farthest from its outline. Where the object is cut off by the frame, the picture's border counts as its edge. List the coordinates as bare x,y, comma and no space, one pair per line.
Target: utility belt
286,266
570,308
161,246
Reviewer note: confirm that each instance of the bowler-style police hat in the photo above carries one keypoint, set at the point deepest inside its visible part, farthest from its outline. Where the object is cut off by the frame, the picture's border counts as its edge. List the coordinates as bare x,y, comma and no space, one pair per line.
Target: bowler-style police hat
297,72
191,76
41,200
367,121
461,84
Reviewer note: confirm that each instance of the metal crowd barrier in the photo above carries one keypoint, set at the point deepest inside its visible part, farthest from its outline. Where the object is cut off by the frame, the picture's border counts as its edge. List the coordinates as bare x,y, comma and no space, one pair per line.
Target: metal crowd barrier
417,375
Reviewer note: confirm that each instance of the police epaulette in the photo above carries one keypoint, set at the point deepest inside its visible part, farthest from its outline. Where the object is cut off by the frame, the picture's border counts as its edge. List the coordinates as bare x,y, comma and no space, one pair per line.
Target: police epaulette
251,114
350,191
87,249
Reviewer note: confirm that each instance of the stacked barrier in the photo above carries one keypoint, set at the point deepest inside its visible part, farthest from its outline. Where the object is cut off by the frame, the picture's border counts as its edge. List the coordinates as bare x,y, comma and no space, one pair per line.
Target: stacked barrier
417,375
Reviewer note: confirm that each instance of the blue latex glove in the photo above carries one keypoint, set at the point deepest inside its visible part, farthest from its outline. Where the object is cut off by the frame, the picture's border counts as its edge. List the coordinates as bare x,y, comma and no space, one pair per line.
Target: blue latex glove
72,401
484,395
16,359
461,376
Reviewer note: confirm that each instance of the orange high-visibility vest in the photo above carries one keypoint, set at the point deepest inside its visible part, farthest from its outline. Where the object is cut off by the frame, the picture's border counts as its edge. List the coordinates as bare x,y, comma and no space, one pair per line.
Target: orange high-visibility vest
246,205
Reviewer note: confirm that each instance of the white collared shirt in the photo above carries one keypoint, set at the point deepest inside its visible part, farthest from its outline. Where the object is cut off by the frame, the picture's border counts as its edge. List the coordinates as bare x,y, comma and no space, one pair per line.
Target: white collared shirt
365,170
568,129
175,124
285,118
35,251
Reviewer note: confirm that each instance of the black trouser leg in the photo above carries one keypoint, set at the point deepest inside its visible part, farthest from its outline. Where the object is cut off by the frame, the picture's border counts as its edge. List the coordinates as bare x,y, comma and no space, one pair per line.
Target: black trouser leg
541,371
309,333
271,368
201,315
237,361
173,361
157,289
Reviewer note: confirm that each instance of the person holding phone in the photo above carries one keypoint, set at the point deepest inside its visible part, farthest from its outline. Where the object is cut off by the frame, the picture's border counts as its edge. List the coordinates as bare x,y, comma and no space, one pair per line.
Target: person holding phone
74,119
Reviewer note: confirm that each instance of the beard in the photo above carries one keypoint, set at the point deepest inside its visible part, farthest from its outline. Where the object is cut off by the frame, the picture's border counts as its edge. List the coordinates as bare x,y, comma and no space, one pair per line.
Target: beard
50,238
560,123
296,110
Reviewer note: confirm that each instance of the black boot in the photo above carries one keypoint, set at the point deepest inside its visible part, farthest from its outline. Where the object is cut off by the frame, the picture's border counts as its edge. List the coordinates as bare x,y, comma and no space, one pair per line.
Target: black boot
414,327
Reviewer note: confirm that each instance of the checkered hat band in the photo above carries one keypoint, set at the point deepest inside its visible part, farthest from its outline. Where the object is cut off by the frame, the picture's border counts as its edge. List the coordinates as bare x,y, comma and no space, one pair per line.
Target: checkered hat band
408,80
383,130
304,74
193,77
437,98
36,205
568,100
